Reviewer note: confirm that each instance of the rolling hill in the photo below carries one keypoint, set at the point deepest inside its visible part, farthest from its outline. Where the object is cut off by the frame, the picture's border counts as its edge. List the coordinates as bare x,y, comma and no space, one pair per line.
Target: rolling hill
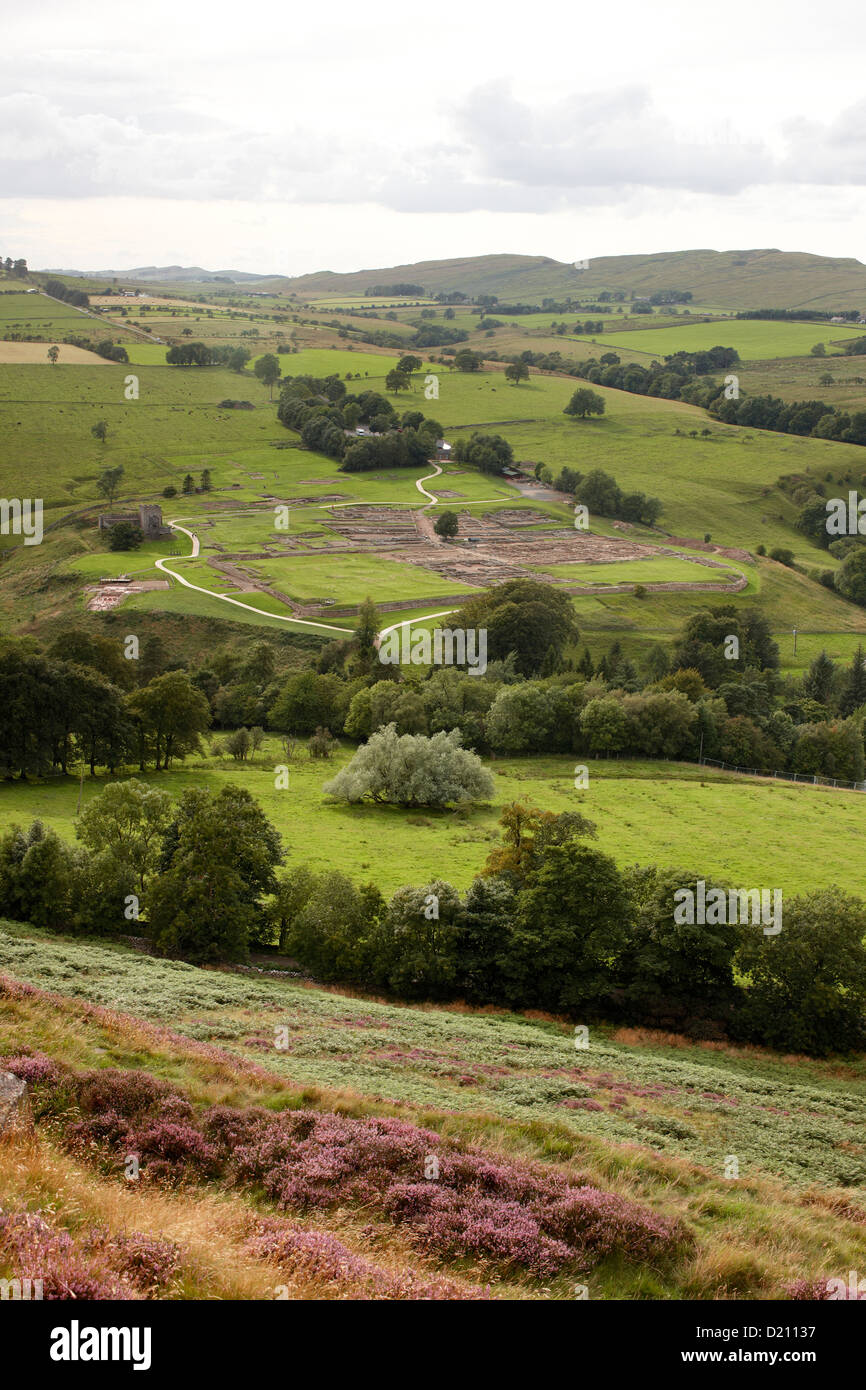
727,279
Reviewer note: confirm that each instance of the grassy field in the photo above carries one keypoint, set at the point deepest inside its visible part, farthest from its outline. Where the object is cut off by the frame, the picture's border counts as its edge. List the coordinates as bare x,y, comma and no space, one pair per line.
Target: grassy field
350,578
749,831
753,339
641,570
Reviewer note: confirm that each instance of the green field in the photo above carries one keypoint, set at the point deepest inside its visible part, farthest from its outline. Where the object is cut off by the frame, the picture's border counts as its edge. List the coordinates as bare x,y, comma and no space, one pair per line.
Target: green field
747,831
341,578
754,339
640,571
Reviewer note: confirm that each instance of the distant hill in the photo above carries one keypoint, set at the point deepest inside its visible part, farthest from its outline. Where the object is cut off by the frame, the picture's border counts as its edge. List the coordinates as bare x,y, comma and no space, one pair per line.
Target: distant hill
753,279
730,279
168,274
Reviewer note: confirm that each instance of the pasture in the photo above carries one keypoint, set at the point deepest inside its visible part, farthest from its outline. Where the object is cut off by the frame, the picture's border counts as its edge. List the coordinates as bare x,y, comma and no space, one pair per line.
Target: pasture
747,831
754,339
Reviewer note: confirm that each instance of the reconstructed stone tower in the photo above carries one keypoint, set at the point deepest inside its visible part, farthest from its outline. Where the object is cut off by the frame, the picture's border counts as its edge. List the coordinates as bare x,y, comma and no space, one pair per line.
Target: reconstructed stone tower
148,519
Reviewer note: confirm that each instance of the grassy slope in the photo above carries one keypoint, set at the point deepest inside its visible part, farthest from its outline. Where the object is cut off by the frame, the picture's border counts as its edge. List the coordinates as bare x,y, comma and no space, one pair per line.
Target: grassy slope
663,1121
759,278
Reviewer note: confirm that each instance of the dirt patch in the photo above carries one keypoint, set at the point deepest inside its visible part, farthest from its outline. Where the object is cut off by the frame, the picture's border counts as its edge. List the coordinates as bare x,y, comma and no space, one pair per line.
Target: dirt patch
108,596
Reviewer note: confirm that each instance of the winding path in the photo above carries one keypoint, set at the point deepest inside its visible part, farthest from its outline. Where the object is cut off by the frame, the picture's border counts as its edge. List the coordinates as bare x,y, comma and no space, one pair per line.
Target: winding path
165,568
419,483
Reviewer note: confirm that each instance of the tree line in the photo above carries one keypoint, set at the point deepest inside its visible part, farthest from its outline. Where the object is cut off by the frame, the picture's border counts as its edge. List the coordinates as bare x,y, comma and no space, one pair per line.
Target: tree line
57,290
717,691
550,923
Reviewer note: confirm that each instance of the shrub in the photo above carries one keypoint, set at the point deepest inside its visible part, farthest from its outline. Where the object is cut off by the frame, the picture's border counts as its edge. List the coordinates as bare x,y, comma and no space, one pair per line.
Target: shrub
413,770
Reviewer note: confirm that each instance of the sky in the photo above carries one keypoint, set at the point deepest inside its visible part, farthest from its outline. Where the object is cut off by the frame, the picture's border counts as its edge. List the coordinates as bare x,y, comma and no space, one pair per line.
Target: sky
286,139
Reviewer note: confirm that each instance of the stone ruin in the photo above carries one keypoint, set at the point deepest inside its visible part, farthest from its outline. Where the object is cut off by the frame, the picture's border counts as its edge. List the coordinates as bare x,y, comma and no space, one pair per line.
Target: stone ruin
148,518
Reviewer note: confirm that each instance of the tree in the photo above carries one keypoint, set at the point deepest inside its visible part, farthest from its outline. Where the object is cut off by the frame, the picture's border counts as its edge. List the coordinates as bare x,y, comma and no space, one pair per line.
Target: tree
269,371
129,820
205,480
599,492
261,664
585,402
238,359
604,725
100,431
308,700
488,452
806,986
819,350
294,890
414,948
483,928
188,484
854,687
467,361
571,925
53,354
366,632
675,973
324,923
238,744
532,718
526,832
397,380
409,364
108,483
321,743
819,679
517,372
446,525
124,535
171,714
412,770
851,576
521,616
218,864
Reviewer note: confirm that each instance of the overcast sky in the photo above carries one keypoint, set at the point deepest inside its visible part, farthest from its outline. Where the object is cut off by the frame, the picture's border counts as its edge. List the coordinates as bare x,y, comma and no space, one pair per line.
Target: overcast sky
285,138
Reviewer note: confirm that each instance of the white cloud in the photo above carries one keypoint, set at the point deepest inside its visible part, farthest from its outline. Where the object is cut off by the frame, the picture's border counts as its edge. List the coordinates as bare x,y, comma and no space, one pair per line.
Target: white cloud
349,123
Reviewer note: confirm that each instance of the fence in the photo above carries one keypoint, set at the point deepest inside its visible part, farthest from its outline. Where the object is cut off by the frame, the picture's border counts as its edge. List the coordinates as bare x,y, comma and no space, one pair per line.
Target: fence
813,780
